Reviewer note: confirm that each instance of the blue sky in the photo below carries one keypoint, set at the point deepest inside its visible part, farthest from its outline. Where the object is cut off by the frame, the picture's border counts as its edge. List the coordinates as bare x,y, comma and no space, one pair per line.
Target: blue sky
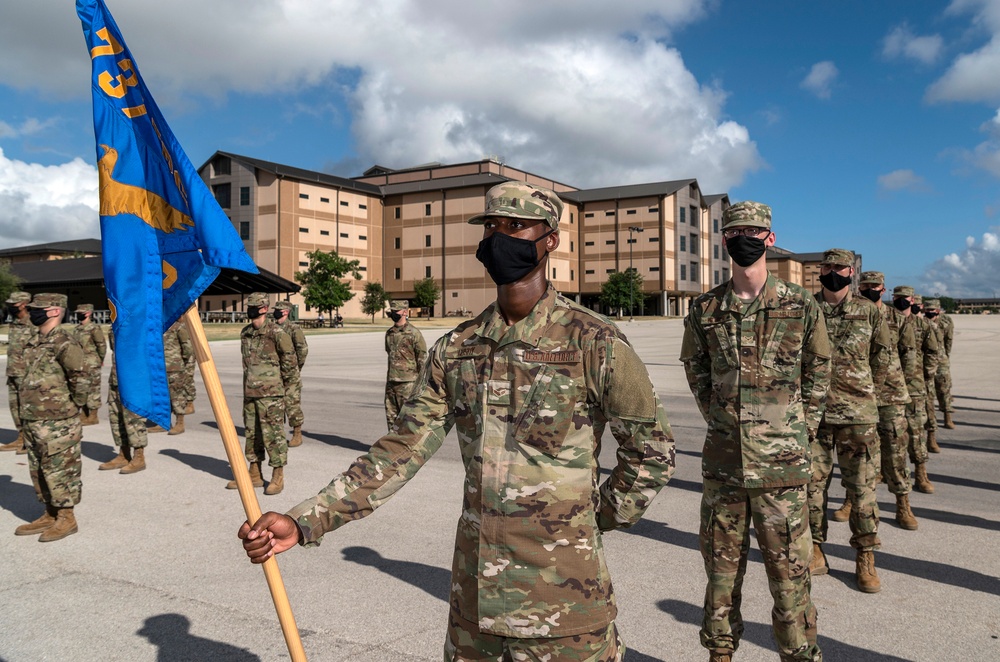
867,125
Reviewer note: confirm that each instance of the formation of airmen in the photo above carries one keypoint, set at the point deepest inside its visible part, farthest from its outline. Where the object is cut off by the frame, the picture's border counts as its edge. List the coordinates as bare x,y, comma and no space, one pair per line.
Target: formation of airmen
784,378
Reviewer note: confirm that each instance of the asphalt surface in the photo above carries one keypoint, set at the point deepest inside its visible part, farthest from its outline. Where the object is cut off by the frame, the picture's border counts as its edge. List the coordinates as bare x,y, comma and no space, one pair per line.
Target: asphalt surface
156,571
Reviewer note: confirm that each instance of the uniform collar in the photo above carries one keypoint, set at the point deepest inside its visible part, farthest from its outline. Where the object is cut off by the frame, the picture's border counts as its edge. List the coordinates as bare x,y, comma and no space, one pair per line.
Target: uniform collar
768,298
529,330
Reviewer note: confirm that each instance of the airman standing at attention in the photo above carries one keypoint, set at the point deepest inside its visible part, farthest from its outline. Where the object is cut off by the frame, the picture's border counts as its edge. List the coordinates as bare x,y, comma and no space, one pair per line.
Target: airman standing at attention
407,351
53,390
270,367
91,340
293,398
530,386
19,334
190,392
944,326
861,345
923,370
757,359
178,354
127,429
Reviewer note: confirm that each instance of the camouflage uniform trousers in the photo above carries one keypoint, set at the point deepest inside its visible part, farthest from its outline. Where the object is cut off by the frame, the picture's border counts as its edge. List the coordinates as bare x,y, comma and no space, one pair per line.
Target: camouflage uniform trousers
396,394
930,422
916,418
465,643
54,460
780,519
178,391
264,419
894,440
942,387
127,428
14,400
190,393
93,389
855,446
293,404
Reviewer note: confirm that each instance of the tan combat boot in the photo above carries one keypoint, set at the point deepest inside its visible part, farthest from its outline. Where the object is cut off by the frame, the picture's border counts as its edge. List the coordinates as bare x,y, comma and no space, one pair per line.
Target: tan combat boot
904,516
124,457
40,525
720,657
178,426
921,482
818,564
868,581
153,428
932,444
15,445
23,450
296,439
277,482
137,464
948,423
190,408
65,525
90,418
843,513
256,479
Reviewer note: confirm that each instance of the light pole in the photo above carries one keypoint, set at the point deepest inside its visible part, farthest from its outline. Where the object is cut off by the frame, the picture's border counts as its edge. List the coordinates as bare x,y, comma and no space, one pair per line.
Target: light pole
631,229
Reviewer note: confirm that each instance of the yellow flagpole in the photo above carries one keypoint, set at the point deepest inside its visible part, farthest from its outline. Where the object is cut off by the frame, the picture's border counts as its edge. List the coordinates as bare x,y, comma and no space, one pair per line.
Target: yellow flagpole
238,462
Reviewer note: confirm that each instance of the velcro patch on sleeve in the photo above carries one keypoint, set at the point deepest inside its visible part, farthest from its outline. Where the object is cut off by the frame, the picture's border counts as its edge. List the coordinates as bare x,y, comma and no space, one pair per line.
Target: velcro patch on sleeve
630,393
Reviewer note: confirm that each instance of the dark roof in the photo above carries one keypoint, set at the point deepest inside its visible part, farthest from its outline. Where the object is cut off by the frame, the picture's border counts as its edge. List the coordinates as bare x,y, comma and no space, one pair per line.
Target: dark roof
710,200
655,189
480,179
297,173
71,246
89,271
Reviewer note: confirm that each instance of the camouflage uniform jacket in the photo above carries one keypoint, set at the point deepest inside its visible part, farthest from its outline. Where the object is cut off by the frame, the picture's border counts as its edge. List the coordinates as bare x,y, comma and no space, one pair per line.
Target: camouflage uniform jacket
902,358
927,358
946,334
91,340
178,351
407,352
530,403
298,341
19,335
54,385
759,372
269,362
860,342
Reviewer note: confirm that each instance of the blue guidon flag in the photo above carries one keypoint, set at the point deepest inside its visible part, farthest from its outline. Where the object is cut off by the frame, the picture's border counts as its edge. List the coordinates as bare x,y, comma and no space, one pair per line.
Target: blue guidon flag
164,236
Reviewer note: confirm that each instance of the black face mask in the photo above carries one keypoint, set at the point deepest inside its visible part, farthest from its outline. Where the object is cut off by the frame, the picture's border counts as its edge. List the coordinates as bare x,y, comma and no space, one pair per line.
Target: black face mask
395,317
253,312
13,311
745,250
834,281
901,304
508,259
929,315
39,316
872,295
278,314
916,308
80,317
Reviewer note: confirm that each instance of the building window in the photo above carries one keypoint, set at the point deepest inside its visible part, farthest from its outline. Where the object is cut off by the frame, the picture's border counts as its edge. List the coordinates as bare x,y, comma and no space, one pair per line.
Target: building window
588,243
427,209
609,242
396,212
344,235
589,272
223,165
683,243
725,274
395,273
572,274
629,212
363,237
684,272
343,203
716,251
654,268
716,277
362,268
244,230
654,240
571,217
304,230
694,272
715,225
654,210
454,295
553,273
395,243
693,191
427,240
244,196
632,241
694,214
683,211
694,244
362,206
303,264
324,199
325,233
609,271
609,213
303,196
589,214
427,271
222,193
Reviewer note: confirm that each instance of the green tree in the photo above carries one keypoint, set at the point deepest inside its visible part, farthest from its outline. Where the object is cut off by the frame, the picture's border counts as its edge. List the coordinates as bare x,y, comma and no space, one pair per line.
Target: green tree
323,280
426,293
622,291
8,282
948,305
374,300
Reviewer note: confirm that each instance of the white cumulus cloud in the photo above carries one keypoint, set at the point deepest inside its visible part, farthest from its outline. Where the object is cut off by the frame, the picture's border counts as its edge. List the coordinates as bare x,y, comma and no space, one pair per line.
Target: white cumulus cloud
820,79
899,180
975,272
972,76
901,42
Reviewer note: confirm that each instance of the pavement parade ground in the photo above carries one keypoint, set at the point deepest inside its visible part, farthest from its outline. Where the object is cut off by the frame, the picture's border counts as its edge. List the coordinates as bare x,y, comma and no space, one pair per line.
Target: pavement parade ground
157,573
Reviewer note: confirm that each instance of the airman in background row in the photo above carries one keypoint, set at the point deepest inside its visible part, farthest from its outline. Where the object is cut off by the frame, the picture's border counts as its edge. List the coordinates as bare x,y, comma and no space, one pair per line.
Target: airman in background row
293,397
757,358
407,351
91,340
270,367
52,391
178,355
190,392
923,371
19,333
861,358
940,387
127,429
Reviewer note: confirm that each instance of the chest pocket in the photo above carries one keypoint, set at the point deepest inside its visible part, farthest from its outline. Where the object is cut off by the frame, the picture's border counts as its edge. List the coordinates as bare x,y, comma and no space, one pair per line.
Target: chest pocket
549,409
463,375
852,338
720,343
783,341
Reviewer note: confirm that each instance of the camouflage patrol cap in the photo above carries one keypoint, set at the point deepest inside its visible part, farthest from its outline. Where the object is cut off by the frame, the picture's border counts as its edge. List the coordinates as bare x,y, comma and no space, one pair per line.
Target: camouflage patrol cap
902,291
515,199
747,214
84,308
840,257
283,305
19,297
929,304
47,300
872,278
918,299
399,304
257,299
